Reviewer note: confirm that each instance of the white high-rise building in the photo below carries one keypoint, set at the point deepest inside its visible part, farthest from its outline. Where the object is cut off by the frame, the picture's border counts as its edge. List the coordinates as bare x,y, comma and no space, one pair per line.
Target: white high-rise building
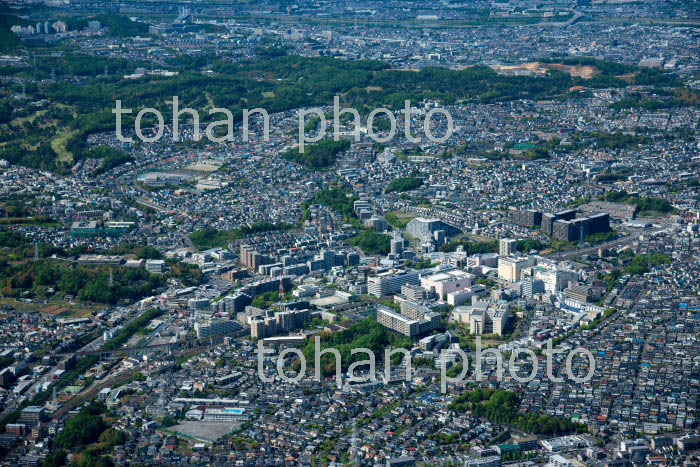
390,284
506,247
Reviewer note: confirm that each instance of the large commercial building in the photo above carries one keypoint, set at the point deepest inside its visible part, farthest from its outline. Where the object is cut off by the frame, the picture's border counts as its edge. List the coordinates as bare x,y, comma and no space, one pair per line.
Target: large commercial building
424,229
389,283
445,282
413,292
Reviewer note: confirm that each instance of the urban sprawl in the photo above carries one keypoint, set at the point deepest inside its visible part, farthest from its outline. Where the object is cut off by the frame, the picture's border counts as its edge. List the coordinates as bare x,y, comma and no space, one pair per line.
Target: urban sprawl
144,267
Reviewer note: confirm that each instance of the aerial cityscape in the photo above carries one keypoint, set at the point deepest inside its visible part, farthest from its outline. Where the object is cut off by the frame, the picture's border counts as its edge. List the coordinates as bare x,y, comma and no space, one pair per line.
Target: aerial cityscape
370,233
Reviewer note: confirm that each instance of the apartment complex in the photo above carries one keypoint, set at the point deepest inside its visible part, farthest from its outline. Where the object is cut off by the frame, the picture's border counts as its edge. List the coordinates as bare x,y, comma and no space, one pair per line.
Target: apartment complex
413,320
506,247
215,327
389,283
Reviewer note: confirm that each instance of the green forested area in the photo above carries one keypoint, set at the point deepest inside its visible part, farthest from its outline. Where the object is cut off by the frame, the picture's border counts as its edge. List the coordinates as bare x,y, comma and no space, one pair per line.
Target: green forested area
276,84
501,406
318,155
470,247
640,263
367,333
404,184
530,244
90,436
371,243
111,158
210,237
336,198
89,284
649,205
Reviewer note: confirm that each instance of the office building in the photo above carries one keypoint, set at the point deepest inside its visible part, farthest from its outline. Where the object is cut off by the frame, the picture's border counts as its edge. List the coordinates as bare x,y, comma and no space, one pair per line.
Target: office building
555,278
482,317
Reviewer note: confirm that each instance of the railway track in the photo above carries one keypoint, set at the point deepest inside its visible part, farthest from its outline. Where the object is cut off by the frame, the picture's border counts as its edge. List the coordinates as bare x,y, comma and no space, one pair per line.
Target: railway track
91,392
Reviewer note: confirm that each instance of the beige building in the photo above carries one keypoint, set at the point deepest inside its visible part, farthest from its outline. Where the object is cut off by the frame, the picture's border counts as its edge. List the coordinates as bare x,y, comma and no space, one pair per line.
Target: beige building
510,268
483,318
